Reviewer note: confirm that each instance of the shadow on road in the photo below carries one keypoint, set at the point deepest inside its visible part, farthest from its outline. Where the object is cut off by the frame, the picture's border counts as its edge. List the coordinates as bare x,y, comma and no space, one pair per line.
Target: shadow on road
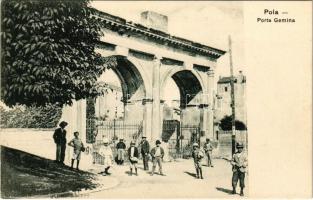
191,174
224,190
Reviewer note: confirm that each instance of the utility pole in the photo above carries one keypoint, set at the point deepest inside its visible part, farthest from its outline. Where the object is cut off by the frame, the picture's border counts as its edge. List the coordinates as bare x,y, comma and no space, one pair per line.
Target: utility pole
232,95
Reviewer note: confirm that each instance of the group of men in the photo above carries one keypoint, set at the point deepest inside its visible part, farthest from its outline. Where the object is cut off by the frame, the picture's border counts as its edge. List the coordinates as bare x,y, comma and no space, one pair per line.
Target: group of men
156,154
239,160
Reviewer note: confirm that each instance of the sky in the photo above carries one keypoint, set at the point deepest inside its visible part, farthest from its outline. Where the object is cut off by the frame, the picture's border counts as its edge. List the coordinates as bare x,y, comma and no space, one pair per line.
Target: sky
206,22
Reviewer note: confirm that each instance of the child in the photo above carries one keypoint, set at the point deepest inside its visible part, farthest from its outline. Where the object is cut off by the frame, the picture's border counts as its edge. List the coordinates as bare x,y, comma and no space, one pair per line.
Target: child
208,148
120,151
78,147
239,163
106,152
157,154
197,155
133,156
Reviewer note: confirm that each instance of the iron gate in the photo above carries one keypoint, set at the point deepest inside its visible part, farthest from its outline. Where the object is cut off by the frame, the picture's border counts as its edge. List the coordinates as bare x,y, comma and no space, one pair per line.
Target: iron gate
113,130
180,137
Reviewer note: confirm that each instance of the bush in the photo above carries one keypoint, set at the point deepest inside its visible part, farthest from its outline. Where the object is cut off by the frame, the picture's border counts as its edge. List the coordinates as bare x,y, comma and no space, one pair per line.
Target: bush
226,124
30,117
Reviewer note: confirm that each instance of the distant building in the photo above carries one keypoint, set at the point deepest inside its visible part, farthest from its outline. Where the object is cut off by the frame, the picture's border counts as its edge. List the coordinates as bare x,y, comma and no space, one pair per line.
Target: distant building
223,98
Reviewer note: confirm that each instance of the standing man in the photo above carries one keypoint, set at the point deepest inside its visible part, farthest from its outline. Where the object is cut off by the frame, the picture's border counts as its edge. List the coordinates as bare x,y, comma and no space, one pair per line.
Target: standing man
145,148
157,154
120,151
208,148
133,156
239,163
59,137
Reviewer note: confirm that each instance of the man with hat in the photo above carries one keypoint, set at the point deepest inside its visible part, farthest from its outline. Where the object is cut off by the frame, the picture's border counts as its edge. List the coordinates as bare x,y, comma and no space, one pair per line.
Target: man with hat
106,152
145,148
59,137
157,154
208,148
239,163
133,156
197,156
120,147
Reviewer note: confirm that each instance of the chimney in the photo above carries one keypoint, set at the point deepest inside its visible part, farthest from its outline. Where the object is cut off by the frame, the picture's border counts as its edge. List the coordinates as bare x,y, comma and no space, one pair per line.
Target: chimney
154,20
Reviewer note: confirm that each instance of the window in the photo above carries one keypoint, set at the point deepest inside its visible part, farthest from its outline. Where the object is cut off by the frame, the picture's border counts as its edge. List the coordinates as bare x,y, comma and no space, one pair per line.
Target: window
225,89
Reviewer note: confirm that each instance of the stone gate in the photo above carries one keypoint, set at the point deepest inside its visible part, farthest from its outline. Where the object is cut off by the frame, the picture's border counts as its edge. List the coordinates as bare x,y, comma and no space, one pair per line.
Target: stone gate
147,57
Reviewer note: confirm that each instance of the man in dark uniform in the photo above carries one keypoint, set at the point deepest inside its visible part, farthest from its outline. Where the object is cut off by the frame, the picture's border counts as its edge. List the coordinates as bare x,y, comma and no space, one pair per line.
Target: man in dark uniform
145,148
59,137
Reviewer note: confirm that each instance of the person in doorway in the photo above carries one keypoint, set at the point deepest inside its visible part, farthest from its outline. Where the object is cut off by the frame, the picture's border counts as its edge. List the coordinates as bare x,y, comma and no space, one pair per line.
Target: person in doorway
145,148
239,163
78,146
59,137
106,152
120,147
157,154
133,156
208,148
197,156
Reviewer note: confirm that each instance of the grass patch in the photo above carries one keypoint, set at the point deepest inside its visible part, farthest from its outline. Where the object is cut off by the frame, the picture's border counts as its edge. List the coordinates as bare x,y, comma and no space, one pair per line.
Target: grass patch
24,175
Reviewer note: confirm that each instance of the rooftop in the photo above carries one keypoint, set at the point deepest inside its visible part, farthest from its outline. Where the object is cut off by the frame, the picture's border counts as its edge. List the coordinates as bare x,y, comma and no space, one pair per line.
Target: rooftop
122,26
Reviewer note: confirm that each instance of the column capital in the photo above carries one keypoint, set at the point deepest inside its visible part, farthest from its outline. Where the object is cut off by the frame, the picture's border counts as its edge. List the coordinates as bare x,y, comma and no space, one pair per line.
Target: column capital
157,57
210,73
146,100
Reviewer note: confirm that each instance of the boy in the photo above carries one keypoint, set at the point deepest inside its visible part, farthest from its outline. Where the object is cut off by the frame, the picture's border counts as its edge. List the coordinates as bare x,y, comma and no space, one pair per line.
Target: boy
157,154
197,155
78,147
208,148
120,151
239,163
133,156
106,152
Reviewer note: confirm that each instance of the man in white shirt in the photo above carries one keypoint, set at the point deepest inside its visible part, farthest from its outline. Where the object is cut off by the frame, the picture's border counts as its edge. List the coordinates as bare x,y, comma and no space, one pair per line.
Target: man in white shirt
157,154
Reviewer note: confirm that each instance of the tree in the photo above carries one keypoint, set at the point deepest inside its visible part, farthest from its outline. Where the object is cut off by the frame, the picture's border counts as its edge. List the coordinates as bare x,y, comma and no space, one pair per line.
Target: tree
30,117
48,52
226,124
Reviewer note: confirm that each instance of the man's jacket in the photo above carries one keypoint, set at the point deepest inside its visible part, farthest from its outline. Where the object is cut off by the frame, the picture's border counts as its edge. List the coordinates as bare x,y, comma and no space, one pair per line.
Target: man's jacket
59,136
153,150
145,147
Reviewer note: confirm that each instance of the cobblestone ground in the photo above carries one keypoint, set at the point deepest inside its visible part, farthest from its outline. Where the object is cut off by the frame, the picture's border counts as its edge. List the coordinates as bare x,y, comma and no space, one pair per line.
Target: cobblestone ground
179,182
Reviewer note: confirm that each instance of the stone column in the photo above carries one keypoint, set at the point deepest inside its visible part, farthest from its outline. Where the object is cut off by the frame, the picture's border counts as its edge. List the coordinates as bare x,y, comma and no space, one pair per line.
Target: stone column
210,87
156,132
147,116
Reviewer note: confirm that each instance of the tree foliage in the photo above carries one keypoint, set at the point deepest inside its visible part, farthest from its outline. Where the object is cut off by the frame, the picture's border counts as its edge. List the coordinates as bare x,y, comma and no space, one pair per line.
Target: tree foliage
48,52
30,117
226,124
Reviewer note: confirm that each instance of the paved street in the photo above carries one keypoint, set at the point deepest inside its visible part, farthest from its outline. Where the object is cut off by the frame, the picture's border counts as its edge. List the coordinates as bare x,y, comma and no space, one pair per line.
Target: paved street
179,182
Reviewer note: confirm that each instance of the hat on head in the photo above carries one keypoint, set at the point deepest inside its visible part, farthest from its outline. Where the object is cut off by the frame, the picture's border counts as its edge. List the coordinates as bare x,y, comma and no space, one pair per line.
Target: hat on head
105,141
158,142
144,137
239,145
195,145
208,139
121,139
63,123
132,142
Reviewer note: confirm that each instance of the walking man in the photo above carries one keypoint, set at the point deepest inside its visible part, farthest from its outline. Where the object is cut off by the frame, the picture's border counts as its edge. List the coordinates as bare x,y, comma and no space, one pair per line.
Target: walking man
145,148
120,151
157,154
133,156
59,137
208,148
239,163
197,156
78,146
